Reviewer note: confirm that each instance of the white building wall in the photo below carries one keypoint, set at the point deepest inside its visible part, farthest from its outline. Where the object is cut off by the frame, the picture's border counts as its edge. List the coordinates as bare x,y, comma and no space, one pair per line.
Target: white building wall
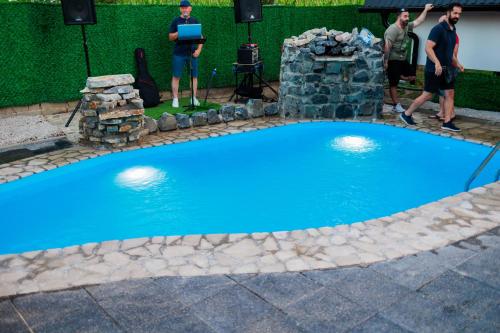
479,34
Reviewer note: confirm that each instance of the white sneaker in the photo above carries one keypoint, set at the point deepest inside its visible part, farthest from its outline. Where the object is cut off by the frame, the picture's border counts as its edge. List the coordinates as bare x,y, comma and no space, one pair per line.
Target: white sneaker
175,103
398,108
196,102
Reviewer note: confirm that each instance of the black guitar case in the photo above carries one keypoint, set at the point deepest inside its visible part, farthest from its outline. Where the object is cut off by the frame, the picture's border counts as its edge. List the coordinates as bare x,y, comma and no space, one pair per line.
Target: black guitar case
144,82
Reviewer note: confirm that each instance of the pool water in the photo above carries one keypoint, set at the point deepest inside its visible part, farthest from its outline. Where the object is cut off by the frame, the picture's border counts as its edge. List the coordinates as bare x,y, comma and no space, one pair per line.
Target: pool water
284,178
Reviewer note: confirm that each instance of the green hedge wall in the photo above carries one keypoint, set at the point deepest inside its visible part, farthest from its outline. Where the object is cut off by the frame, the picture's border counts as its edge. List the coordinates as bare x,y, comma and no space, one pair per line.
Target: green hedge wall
42,59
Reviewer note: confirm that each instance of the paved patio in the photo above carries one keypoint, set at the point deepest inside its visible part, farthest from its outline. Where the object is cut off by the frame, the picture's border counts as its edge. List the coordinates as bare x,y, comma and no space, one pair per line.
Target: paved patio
453,289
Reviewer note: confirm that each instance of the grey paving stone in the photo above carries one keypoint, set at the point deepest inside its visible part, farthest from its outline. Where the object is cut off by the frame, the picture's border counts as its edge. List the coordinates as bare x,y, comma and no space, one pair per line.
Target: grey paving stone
378,324
137,303
417,313
233,309
181,321
472,297
370,288
64,311
241,277
327,311
484,267
417,270
281,289
482,327
329,277
277,323
190,290
10,321
481,242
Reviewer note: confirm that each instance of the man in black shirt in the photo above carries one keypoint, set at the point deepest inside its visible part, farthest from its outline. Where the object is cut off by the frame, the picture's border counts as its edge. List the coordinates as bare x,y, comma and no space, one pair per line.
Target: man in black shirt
440,59
181,53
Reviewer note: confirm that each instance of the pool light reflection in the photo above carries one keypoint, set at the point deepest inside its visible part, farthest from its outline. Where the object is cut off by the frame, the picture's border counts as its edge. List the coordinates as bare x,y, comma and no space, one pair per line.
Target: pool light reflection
355,144
140,177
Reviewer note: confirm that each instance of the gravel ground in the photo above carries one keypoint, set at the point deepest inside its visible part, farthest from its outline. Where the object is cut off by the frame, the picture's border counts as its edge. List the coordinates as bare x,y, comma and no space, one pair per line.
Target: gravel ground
26,129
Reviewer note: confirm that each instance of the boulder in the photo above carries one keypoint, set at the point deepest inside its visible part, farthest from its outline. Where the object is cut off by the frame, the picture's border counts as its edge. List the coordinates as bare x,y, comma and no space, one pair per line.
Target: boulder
255,108
199,118
213,117
150,124
167,122
227,112
183,120
241,113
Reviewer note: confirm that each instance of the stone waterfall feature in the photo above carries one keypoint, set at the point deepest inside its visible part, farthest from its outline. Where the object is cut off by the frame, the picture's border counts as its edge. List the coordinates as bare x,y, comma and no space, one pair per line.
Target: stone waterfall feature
331,74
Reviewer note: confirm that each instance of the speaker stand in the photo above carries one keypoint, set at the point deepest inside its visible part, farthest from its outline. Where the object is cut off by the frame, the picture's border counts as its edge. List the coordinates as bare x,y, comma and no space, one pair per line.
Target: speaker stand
87,62
249,33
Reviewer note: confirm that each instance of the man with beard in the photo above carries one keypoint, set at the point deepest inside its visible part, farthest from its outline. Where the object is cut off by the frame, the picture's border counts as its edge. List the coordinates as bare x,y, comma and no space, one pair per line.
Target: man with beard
396,41
440,61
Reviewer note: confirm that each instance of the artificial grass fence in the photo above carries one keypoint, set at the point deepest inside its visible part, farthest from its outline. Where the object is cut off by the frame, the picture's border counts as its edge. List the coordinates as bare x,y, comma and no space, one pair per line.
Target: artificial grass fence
43,61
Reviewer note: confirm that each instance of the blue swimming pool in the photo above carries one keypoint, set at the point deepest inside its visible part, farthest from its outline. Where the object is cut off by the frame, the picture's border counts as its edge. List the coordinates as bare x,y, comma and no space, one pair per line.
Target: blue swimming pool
284,178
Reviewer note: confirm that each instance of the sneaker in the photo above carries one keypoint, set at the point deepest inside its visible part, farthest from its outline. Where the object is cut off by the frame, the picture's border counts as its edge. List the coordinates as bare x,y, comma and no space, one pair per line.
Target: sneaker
408,120
449,126
175,103
196,102
398,108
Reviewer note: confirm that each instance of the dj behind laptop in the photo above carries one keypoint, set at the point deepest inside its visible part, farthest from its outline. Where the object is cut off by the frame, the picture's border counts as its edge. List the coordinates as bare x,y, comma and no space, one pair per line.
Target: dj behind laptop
189,31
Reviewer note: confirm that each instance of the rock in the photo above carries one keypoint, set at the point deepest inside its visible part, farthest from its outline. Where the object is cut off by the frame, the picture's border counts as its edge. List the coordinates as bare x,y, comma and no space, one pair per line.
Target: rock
108,97
106,106
271,109
319,99
120,113
109,81
150,124
183,120
130,95
255,108
227,112
137,102
167,122
213,117
114,138
119,90
241,113
319,50
199,118
361,76
344,111
348,50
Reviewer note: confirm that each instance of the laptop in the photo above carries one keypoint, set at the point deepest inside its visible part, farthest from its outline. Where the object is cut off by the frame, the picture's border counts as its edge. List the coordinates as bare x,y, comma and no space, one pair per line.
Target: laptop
189,31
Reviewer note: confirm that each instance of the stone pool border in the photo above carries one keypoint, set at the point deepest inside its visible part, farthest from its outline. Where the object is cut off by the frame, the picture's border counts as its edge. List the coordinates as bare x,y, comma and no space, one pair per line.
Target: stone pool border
418,229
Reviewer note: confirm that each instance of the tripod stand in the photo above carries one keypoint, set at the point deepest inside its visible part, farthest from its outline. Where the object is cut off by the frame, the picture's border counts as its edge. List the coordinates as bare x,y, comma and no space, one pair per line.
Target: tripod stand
87,62
190,43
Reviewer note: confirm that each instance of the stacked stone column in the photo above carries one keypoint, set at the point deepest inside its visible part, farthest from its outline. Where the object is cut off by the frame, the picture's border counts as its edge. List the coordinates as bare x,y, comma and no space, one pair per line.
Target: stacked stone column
112,111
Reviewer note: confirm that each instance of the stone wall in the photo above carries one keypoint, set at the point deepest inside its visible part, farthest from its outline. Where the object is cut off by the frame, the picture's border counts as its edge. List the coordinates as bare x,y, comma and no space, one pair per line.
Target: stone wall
112,111
331,74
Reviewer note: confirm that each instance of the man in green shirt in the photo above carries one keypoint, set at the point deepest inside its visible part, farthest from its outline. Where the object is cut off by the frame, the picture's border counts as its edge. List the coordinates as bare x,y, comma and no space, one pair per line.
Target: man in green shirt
395,51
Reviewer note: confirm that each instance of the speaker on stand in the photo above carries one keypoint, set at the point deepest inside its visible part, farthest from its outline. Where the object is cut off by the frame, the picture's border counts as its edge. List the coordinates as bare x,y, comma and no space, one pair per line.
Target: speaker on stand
249,62
79,12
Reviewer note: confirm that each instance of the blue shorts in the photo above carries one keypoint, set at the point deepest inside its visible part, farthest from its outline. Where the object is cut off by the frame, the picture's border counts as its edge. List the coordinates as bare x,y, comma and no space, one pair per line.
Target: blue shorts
178,63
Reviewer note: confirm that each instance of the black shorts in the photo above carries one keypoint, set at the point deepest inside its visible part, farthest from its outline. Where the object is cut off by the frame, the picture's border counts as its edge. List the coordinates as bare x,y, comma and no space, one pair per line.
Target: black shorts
396,68
433,84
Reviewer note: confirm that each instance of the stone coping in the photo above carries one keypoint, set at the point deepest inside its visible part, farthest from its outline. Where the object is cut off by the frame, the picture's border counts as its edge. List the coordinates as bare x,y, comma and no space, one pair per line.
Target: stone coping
419,229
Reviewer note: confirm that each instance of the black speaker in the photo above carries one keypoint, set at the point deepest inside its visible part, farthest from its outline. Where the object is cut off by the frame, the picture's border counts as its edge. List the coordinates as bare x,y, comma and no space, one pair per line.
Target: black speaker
247,11
78,12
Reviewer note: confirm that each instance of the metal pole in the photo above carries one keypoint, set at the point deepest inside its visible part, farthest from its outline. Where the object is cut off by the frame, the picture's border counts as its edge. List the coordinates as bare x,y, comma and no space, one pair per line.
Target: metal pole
86,50
249,34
